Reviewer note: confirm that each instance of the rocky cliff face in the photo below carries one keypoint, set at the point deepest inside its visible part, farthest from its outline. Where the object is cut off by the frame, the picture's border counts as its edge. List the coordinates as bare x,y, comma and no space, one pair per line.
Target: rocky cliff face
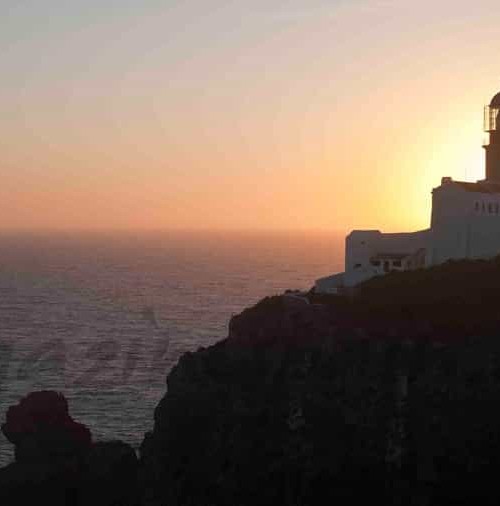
390,395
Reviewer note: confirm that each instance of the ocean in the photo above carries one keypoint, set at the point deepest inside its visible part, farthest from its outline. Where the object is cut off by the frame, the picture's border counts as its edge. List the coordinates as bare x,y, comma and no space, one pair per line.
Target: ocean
102,317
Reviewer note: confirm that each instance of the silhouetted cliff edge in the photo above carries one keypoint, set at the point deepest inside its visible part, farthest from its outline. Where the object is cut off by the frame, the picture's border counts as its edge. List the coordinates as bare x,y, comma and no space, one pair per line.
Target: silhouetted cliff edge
390,394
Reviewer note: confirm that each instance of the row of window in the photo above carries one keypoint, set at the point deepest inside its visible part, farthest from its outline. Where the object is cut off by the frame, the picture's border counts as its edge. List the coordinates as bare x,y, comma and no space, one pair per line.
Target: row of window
378,263
387,264
487,208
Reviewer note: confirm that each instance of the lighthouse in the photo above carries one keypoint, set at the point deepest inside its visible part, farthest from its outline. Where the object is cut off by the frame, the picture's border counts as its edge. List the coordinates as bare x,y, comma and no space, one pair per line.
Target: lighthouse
492,127
465,223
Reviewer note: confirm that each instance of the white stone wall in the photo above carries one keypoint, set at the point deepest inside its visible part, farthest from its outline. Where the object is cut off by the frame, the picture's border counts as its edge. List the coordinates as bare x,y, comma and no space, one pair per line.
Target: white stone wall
449,203
483,237
362,245
450,241
464,224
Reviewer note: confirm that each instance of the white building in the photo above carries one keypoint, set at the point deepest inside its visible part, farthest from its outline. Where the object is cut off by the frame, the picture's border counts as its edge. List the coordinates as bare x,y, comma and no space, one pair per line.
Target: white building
465,223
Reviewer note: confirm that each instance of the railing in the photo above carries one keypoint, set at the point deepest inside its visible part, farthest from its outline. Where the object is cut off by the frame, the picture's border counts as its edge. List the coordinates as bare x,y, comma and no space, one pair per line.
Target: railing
491,119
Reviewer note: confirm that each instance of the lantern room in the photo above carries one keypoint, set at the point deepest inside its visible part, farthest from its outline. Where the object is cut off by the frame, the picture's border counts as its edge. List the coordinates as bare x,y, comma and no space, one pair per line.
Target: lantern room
492,127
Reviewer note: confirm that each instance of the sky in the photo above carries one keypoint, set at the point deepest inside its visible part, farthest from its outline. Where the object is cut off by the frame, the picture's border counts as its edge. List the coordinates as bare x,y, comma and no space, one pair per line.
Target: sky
218,114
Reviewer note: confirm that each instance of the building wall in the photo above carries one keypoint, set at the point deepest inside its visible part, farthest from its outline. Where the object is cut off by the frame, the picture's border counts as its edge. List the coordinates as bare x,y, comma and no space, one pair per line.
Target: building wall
449,241
464,224
361,246
484,236
449,203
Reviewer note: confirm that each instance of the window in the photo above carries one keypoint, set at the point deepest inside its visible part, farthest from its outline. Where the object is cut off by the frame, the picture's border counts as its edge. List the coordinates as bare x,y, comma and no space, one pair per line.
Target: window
375,263
357,266
490,208
387,266
484,208
477,206
397,263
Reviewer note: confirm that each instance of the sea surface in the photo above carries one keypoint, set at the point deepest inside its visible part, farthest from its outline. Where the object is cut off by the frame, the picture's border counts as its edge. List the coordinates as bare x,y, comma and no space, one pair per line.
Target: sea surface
103,317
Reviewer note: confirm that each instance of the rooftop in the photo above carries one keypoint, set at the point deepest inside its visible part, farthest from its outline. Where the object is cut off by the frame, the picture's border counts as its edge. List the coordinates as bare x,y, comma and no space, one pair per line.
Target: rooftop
478,187
495,102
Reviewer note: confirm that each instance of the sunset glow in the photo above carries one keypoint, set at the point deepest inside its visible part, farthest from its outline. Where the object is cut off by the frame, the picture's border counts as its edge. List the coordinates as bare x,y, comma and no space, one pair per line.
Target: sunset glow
326,115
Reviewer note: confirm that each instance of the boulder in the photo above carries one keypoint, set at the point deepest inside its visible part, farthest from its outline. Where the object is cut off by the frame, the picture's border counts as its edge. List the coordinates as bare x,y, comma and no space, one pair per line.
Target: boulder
56,462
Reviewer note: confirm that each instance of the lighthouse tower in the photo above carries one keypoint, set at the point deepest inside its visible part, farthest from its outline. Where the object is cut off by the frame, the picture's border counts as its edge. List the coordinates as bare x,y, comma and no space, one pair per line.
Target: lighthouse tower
492,127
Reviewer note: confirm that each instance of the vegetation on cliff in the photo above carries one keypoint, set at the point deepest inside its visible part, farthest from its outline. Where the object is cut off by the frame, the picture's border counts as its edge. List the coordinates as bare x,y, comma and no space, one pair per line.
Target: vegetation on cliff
457,299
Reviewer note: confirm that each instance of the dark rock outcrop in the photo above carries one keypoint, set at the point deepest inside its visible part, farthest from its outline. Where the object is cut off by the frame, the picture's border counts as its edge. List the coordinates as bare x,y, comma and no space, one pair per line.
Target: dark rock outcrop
109,476
40,428
56,462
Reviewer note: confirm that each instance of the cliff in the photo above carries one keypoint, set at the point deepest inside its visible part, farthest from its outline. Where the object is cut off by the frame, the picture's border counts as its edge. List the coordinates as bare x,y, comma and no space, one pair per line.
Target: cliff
390,394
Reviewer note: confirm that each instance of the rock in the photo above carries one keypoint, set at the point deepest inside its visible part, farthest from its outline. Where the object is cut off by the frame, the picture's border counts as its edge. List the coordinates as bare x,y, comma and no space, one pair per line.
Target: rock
303,405
31,484
40,427
281,320
57,463
49,450
266,427
109,476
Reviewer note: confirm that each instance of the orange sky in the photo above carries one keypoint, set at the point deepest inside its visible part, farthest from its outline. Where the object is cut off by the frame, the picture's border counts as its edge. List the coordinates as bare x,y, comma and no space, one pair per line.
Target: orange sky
302,114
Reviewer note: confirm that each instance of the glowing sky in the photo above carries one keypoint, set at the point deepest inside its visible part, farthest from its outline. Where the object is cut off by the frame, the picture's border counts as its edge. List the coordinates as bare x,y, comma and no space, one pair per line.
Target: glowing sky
259,114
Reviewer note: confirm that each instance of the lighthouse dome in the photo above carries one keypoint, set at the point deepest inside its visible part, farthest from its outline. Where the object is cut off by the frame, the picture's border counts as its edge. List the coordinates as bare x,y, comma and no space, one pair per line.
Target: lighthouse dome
495,102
